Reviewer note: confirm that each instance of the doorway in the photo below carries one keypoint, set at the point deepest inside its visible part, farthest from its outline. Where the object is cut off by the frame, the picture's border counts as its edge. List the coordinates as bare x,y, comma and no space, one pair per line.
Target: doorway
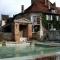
23,30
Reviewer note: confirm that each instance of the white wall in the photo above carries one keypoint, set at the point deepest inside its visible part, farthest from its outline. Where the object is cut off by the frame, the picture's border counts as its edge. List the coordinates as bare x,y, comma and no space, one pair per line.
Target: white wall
3,23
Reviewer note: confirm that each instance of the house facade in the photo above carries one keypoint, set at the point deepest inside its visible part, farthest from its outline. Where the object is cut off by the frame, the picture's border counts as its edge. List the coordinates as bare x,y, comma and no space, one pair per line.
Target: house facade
38,19
44,16
50,13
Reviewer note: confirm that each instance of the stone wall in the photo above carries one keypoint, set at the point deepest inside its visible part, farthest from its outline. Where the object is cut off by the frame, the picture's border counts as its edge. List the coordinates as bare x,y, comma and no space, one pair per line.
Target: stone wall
35,35
16,32
29,31
58,56
1,35
52,35
47,58
7,36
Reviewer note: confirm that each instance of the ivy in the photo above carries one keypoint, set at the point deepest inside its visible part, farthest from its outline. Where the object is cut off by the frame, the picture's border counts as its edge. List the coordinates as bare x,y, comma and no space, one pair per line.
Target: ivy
54,22
9,20
45,22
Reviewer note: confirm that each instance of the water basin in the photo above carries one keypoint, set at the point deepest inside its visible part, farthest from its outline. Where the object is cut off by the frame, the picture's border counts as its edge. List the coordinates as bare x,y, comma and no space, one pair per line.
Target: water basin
21,51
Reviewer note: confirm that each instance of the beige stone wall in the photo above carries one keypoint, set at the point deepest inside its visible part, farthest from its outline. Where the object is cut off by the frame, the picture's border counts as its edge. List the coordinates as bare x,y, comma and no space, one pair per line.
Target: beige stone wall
29,31
16,32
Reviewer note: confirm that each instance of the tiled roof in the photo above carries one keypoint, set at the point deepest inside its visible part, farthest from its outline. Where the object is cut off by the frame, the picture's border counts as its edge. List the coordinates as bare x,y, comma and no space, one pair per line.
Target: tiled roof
58,10
42,1
39,5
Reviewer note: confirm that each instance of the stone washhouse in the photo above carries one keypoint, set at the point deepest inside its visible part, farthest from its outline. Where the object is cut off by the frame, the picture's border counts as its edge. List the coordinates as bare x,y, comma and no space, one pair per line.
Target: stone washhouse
22,29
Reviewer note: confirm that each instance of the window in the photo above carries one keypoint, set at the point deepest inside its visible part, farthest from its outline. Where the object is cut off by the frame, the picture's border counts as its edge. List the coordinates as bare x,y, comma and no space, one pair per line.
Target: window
53,11
36,20
54,18
36,28
48,17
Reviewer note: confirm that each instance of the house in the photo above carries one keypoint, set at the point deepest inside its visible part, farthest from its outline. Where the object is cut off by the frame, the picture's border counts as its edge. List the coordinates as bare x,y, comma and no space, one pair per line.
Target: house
50,13
3,20
44,16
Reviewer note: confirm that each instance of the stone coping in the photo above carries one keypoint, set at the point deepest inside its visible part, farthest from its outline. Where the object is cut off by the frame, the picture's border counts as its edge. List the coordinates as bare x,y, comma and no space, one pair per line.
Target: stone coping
15,42
48,44
45,55
33,57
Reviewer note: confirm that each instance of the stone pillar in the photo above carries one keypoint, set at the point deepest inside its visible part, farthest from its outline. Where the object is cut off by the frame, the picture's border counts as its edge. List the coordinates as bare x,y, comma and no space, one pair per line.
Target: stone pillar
29,31
16,32
41,28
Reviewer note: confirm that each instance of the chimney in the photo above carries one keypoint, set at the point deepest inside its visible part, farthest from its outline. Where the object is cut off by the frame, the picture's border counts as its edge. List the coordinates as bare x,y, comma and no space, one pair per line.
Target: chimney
54,4
22,8
49,6
46,2
5,17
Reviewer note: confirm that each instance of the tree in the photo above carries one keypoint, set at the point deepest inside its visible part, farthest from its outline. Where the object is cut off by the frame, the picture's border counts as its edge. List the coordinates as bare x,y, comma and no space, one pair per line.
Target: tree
9,20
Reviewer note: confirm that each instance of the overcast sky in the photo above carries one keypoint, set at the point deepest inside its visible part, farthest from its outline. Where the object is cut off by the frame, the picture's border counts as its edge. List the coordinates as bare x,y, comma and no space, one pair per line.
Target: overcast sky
14,6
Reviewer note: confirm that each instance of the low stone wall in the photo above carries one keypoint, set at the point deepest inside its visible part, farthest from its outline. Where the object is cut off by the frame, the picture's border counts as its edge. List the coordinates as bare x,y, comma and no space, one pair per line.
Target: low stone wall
34,35
47,58
58,56
1,35
52,35
50,56
7,36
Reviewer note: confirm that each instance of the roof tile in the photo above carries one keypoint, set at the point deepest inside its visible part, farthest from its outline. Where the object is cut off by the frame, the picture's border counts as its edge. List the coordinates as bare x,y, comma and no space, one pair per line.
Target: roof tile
39,5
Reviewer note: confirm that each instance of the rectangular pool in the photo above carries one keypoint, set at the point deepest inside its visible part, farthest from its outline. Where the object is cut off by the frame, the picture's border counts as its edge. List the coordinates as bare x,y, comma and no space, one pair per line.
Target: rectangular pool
10,52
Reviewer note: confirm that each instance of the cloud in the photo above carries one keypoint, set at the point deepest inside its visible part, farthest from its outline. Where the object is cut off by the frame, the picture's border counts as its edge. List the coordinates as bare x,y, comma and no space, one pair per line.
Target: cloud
12,6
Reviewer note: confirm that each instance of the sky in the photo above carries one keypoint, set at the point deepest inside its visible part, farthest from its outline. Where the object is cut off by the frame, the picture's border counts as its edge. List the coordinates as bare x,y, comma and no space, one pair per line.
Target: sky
12,7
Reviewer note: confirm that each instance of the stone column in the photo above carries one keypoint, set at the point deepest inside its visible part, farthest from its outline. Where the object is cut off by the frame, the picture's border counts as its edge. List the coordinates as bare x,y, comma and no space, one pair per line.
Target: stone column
16,32
29,31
